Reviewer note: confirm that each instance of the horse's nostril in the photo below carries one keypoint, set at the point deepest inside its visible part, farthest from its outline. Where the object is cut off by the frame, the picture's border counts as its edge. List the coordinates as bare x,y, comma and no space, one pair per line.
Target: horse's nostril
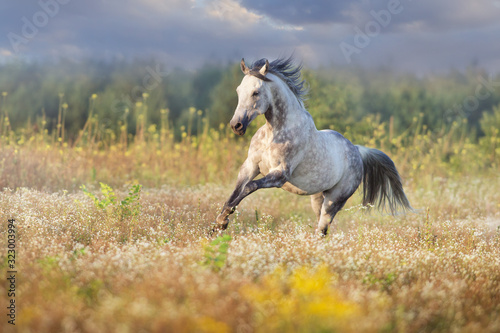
238,126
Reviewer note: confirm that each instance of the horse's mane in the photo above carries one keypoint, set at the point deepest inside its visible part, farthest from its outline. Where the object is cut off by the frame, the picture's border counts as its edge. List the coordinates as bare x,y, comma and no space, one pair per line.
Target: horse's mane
286,70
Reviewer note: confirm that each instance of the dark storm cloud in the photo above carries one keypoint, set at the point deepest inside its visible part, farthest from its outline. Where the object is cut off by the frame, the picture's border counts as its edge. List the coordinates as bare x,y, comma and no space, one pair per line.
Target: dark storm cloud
439,15
190,32
179,31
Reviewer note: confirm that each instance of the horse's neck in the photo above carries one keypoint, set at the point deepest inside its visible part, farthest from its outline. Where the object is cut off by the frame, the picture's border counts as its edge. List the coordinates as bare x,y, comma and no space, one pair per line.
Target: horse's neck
286,111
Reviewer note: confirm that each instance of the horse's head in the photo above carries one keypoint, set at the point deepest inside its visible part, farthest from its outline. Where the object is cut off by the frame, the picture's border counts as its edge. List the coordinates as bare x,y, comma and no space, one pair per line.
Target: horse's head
254,97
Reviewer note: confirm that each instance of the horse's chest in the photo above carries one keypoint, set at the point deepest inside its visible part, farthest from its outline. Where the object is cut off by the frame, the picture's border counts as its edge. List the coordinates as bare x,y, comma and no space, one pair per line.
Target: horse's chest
264,165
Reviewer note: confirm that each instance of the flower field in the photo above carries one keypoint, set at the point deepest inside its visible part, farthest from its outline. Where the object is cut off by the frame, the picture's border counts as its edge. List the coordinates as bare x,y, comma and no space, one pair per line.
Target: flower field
121,257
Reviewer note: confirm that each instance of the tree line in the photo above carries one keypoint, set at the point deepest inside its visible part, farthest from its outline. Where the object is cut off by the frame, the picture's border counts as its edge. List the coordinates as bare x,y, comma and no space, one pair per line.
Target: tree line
339,98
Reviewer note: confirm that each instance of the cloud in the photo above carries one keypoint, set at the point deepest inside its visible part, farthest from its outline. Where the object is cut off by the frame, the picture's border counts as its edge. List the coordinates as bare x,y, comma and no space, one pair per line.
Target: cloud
431,14
445,15
297,12
425,52
232,12
5,55
190,32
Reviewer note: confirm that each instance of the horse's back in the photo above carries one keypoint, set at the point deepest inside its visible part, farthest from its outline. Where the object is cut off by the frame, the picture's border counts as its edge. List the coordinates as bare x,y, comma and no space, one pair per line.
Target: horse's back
345,154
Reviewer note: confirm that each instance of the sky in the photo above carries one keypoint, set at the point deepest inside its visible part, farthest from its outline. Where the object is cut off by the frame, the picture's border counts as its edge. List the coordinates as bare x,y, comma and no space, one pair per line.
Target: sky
408,35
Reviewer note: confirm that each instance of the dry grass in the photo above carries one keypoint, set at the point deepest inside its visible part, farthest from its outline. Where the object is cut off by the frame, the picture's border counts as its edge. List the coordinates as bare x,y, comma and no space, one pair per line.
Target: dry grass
82,268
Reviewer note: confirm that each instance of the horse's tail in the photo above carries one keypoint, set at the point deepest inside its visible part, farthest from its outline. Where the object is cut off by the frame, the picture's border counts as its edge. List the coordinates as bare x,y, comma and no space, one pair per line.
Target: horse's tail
381,181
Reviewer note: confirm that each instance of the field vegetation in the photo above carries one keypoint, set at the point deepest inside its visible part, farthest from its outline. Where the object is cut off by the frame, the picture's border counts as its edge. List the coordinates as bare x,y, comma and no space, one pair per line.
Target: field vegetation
114,196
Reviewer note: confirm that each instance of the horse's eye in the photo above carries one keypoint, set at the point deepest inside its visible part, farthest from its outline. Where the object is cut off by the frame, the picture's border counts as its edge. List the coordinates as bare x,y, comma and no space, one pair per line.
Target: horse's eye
255,93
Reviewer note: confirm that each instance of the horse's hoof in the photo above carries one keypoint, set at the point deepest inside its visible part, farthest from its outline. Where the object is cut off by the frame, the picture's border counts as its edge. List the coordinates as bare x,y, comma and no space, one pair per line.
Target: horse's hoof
216,229
213,230
321,235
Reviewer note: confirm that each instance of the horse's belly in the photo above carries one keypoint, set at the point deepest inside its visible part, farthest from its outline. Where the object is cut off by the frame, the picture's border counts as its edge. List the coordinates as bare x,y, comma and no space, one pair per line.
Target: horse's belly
311,179
296,185
296,190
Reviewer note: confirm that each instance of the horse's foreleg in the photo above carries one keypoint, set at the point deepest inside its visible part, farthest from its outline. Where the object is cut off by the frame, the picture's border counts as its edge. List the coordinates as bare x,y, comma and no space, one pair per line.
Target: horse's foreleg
248,171
244,188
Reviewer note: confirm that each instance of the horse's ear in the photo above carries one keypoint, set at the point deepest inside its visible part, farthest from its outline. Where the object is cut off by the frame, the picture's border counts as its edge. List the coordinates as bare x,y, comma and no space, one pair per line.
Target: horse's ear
263,70
244,68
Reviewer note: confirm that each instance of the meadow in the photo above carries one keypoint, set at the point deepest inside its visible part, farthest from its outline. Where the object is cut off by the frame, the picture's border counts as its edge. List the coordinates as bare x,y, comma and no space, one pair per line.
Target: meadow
112,233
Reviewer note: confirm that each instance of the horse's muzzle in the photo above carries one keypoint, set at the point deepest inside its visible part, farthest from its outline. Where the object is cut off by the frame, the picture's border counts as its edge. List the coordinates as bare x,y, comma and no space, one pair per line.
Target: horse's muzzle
239,127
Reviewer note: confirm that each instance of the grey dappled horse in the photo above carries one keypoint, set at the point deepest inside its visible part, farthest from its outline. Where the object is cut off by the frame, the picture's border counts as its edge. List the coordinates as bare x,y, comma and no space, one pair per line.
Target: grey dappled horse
292,154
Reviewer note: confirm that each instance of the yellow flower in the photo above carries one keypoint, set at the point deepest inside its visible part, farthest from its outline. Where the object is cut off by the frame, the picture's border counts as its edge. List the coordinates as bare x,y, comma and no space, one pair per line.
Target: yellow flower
305,299
207,324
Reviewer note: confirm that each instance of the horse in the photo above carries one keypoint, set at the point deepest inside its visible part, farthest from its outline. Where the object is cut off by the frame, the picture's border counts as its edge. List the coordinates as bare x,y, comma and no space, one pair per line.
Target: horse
292,154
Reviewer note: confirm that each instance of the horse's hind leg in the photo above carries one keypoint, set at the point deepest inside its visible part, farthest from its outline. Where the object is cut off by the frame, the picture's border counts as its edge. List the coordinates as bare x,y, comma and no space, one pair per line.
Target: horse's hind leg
316,203
334,200
328,212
